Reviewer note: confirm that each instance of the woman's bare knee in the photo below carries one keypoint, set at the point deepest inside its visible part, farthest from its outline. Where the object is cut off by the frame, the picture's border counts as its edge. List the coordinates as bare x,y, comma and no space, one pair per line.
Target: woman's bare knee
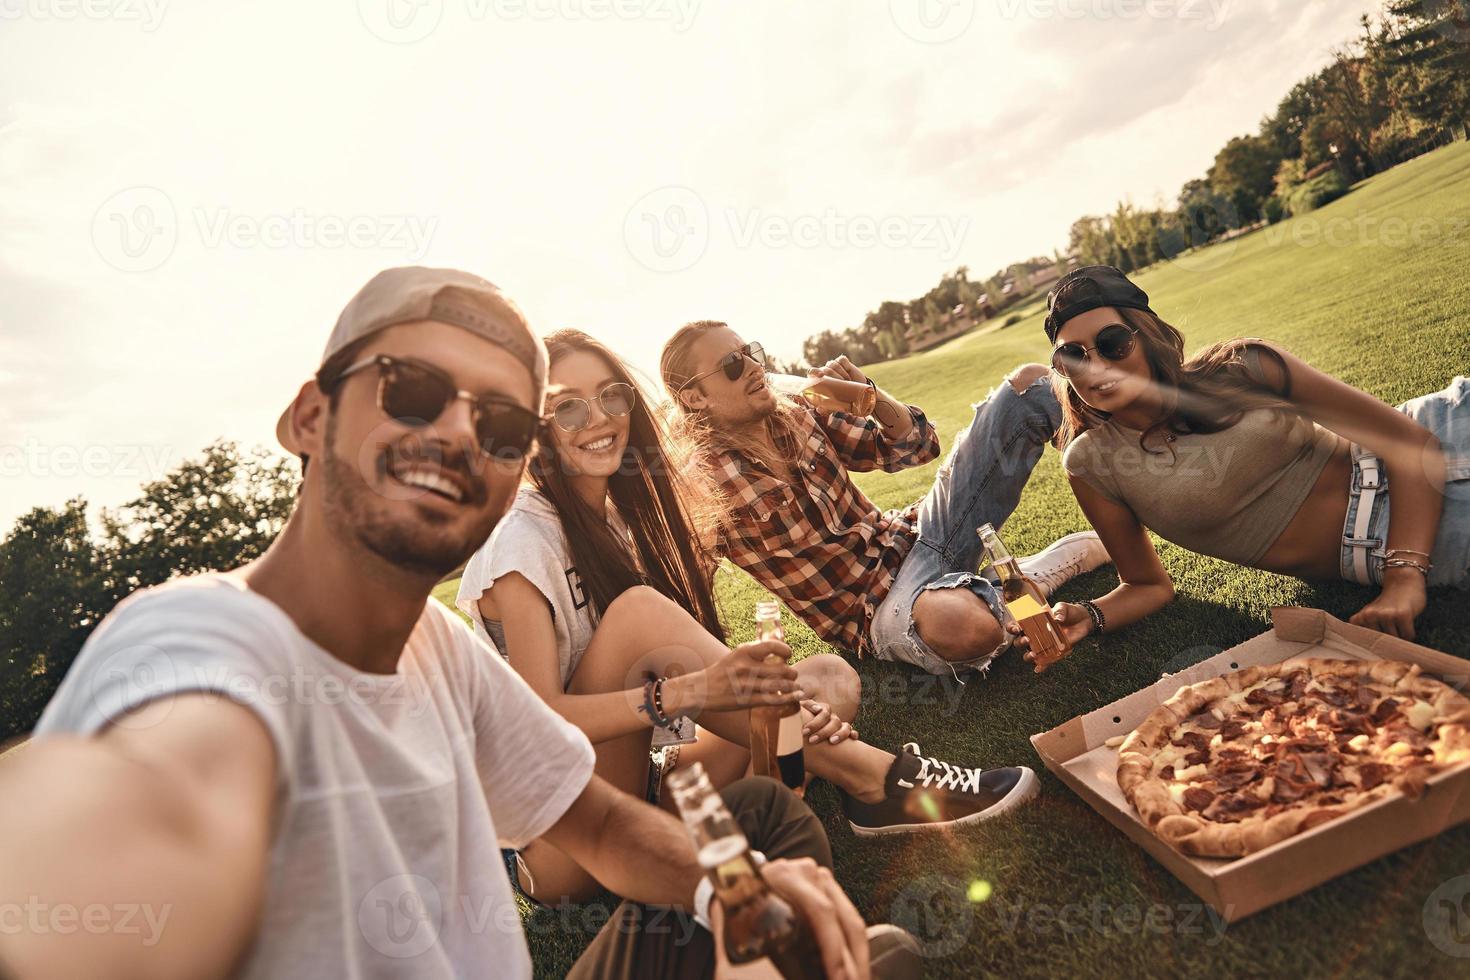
1026,375
956,624
831,679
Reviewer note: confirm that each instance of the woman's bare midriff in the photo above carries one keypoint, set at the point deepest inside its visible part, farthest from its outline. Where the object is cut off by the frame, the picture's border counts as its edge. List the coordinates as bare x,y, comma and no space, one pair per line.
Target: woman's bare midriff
1311,545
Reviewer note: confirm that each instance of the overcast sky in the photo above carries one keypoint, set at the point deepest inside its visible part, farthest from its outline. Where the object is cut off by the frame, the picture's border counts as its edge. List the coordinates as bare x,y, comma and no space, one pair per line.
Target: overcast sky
191,190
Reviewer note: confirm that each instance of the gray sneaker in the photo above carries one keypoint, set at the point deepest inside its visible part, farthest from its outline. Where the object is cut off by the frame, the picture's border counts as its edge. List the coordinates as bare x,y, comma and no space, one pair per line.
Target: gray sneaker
1064,559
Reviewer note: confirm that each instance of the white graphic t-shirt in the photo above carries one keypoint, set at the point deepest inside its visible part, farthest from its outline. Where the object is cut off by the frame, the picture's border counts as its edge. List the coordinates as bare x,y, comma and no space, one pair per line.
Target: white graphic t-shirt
530,540
395,791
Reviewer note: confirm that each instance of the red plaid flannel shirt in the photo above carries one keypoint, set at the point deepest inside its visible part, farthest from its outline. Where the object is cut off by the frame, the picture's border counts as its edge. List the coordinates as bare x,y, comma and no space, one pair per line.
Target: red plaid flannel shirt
821,545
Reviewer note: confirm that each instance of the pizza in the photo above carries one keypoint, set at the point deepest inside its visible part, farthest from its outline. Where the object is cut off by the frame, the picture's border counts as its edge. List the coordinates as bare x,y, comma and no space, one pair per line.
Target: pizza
1236,763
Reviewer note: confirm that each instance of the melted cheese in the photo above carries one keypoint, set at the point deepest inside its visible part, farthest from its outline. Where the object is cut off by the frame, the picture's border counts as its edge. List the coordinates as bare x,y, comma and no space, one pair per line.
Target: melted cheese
1358,742
1192,772
1420,714
1176,793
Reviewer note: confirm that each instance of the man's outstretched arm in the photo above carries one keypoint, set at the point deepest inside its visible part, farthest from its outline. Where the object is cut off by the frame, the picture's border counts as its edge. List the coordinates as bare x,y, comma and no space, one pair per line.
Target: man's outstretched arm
140,851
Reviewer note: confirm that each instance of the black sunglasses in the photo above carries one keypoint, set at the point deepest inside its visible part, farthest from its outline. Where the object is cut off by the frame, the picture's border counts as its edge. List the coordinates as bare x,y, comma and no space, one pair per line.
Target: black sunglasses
416,394
575,414
1113,342
733,364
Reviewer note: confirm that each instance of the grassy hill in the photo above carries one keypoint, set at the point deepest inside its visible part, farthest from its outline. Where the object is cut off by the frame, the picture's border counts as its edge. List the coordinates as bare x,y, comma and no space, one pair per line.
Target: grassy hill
1374,289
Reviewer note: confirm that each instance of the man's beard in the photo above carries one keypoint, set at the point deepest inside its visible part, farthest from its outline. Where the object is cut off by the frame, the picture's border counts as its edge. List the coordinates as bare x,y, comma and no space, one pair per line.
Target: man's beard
408,543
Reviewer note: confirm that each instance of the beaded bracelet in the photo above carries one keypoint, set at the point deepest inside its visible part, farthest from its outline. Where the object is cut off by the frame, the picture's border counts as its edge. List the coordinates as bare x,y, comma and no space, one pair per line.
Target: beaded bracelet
653,702
1098,619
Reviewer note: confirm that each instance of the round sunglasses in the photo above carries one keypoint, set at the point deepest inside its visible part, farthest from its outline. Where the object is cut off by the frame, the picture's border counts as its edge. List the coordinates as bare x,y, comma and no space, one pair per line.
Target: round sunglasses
1113,342
733,364
414,395
575,414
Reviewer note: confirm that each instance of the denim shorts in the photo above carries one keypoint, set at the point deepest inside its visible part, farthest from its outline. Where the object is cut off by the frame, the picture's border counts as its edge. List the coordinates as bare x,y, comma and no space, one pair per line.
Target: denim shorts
1445,413
980,483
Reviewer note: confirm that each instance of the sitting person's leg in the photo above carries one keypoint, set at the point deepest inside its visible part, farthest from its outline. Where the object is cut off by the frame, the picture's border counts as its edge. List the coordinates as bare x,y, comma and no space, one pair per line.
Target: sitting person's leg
640,941
940,614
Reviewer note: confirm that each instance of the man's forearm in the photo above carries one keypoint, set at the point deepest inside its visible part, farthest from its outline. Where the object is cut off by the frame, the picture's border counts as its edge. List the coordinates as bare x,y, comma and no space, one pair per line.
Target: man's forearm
644,854
893,415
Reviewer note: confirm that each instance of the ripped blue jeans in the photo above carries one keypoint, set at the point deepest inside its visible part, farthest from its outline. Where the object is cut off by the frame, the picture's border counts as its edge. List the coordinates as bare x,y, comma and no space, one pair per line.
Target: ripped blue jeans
980,483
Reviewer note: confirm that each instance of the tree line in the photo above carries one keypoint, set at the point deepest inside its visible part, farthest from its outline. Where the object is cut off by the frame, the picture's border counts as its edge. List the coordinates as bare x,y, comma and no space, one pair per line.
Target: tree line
1399,89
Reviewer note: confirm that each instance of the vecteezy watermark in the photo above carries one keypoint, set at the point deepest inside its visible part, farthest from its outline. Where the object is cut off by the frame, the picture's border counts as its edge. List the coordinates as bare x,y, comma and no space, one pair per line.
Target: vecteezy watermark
1368,230
37,917
127,678
1212,14
943,911
932,21
34,458
410,21
669,230
403,916
147,14
137,230
1446,917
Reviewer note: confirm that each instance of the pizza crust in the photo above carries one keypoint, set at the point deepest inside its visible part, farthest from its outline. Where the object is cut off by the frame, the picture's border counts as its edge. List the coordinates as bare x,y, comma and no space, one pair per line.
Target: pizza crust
1355,686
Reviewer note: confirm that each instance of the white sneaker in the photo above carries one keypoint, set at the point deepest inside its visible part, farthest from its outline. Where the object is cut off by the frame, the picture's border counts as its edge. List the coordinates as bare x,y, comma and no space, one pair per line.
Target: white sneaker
1064,560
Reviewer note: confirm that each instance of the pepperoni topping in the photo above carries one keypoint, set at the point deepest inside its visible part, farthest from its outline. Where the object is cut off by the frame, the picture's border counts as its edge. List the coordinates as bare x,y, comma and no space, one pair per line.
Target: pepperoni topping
1204,719
1263,696
1385,710
1197,758
1198,798
1371,774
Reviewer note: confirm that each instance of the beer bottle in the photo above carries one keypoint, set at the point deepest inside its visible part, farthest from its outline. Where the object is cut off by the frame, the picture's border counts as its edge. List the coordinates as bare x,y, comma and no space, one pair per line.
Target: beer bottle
758,922
1025,602
827,394
775,730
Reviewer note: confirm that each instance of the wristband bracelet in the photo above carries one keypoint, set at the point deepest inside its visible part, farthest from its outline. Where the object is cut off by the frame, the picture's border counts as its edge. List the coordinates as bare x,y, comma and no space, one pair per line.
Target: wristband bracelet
1423,568
653,702
1095,614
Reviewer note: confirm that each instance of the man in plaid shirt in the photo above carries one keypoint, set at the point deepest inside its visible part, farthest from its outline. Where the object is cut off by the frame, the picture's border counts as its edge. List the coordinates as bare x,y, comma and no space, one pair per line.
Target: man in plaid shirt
901,585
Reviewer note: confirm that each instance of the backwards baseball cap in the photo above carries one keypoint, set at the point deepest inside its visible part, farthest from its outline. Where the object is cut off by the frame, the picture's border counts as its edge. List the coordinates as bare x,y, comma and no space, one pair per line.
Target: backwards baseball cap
1090,288
412,293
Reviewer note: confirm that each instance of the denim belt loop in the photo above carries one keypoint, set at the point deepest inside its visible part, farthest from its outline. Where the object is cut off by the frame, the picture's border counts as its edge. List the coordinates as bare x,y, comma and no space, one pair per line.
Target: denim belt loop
1368,480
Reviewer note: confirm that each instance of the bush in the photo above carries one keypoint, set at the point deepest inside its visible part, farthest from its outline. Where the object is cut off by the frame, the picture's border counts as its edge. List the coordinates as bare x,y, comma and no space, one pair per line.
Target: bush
57,581
1317,192
1012,320
1275,210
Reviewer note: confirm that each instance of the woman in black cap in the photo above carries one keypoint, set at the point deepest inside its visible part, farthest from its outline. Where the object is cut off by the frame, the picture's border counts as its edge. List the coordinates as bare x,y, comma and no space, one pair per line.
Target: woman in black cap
1247,453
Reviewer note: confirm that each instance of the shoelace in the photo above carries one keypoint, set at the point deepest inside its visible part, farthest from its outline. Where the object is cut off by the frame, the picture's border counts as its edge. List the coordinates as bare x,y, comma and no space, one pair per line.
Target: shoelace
1065,573
938,774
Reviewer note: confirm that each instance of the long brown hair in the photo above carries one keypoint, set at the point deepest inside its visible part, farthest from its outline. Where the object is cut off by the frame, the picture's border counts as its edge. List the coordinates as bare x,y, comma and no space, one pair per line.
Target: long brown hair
652,498
676,365
1209,392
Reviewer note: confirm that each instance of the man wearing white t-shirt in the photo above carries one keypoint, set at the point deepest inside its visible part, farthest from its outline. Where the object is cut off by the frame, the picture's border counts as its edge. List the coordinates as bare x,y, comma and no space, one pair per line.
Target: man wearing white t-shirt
306,767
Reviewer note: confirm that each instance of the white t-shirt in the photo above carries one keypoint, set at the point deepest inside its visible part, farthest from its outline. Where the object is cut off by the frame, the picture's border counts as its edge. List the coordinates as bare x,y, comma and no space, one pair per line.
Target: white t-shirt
394,793
530,540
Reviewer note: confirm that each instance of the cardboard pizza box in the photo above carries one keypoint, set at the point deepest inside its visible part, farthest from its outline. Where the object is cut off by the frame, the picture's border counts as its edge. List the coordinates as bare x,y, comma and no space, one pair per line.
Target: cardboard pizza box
1237,887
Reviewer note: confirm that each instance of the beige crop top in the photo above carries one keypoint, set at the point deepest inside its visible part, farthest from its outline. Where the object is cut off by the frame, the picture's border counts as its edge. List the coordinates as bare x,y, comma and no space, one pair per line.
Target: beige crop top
1228,494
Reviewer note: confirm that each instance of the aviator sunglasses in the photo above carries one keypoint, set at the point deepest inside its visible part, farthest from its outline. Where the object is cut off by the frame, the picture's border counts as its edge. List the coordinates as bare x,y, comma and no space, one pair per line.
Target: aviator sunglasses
1113,342
733,364
416,394
575,414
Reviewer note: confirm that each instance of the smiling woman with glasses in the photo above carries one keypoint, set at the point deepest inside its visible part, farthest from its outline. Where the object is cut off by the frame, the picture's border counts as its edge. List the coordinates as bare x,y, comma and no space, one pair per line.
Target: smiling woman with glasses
1246,453
596,587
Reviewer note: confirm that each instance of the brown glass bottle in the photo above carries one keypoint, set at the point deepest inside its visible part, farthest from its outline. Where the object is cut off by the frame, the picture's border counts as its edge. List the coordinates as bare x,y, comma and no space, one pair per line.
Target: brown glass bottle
1026,603
757,922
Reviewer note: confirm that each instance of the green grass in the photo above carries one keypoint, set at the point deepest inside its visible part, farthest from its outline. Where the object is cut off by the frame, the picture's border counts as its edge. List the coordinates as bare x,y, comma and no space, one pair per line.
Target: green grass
1387,315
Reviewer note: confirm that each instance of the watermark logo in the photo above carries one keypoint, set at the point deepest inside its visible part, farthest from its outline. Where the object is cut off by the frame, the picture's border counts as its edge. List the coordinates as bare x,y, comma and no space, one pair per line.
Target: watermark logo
147,14
128,678
401,916
1446,917
667,230
938,911
136,229
1211,13
37,917
1202,236
401,21
932,21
